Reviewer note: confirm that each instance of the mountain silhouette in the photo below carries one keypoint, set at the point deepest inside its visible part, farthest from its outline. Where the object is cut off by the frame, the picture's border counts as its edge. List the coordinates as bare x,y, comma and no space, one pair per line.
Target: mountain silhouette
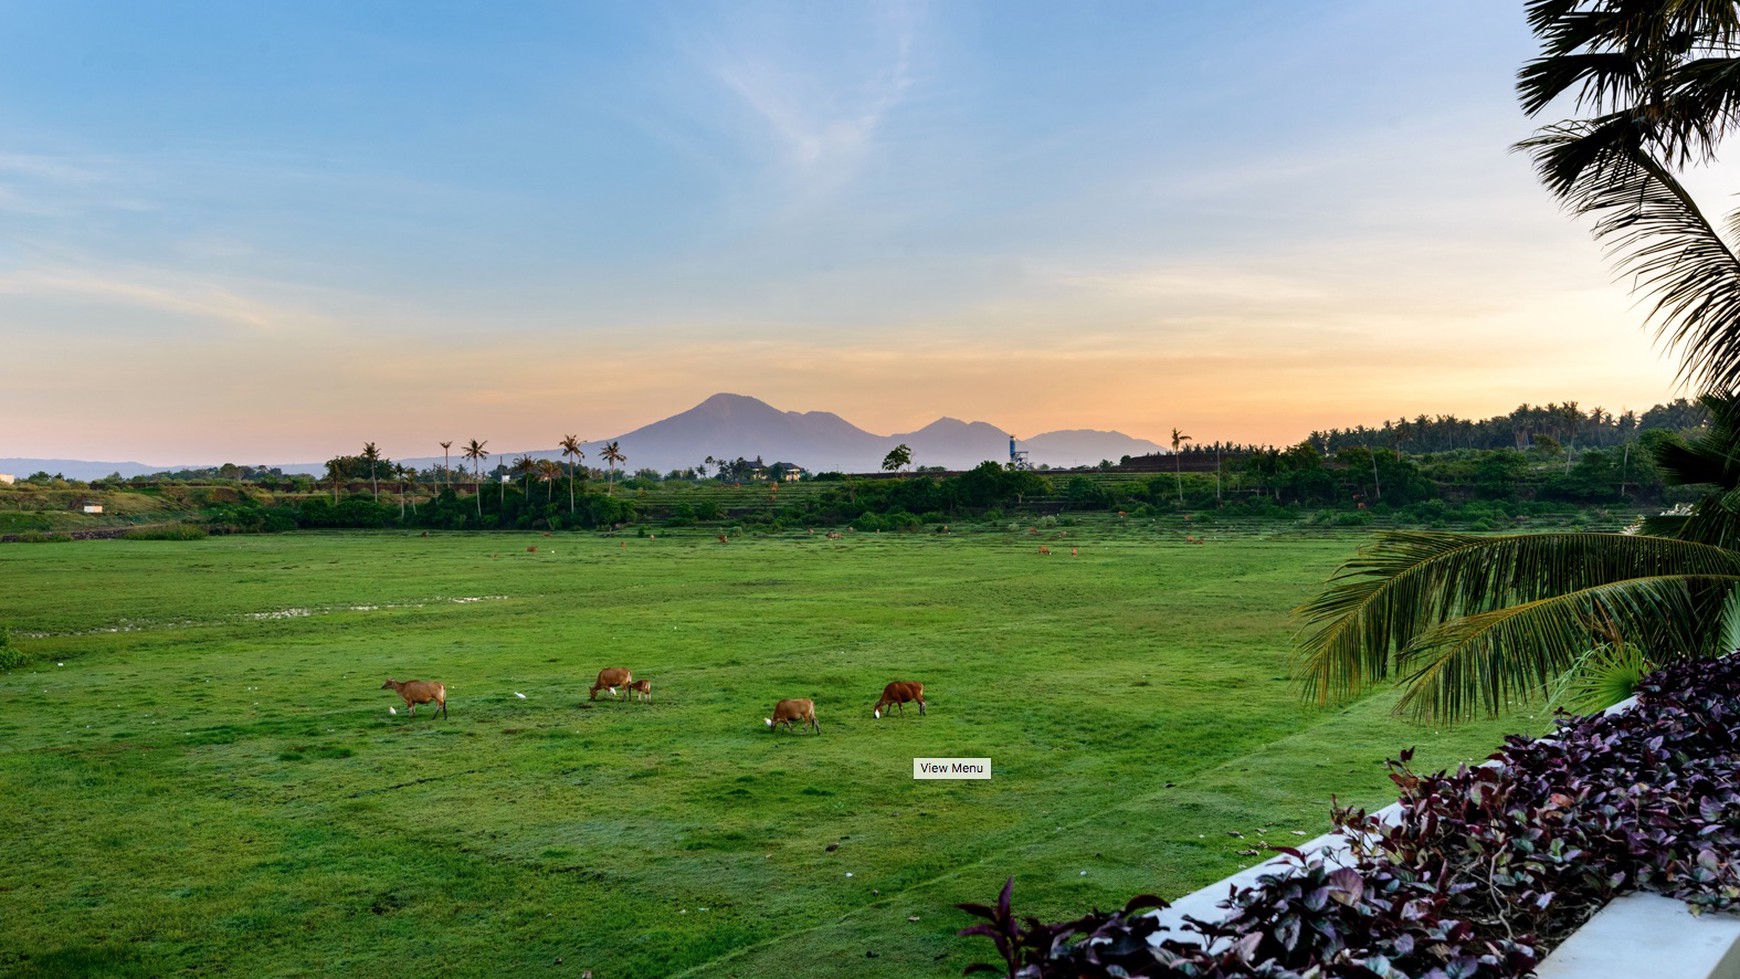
726,426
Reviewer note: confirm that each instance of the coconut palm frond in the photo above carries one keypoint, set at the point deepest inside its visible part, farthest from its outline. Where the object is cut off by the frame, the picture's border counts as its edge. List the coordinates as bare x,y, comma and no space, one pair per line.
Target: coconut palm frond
1408,583
1667,61
1660,239
1376,602
1728,639
1602,677
1491,660
1600,75
1661,90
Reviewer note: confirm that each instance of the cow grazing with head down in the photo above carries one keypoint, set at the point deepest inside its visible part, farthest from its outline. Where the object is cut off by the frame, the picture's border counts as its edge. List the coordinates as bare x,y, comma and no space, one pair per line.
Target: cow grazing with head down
611,678
899,693
420,692
802,712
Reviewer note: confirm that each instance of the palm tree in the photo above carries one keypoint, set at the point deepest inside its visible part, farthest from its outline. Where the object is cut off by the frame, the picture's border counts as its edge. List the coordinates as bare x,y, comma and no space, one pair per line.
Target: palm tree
1473,623
612,454
525,465
407,474
446,465
1656,79
548,473
475,452
401,474
1178,439
334,472
372,456
571,450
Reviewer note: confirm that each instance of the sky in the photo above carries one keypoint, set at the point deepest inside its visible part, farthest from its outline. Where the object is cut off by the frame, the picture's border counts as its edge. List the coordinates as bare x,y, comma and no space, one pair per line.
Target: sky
272,232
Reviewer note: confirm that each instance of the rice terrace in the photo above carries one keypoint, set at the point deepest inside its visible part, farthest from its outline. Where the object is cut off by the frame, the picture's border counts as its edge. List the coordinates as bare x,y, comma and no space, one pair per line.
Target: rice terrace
205,777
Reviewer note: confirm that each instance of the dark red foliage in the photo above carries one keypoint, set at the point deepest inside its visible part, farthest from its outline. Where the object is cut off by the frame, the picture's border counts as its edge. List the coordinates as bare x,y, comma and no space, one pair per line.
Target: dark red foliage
1486,868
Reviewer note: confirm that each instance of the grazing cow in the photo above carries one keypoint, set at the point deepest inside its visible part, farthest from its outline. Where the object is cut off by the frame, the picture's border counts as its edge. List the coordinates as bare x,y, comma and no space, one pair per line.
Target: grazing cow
420,692
610,678
1072,552
803,712
640,690
723,538
1045,550
898,693
532,549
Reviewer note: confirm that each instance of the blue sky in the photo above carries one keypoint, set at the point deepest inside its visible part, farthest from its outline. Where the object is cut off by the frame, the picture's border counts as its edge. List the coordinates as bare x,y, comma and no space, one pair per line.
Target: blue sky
257,232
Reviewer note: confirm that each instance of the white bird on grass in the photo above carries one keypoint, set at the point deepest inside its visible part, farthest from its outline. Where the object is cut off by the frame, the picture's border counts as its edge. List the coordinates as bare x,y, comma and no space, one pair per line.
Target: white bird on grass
519,695
392,710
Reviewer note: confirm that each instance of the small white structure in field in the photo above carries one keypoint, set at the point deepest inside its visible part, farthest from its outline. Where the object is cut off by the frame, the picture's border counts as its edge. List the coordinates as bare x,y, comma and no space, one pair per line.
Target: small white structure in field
92,508
7,479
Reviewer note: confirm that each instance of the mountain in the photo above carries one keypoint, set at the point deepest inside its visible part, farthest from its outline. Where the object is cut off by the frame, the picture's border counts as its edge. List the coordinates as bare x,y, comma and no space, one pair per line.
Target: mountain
726,426
1084,447
953,444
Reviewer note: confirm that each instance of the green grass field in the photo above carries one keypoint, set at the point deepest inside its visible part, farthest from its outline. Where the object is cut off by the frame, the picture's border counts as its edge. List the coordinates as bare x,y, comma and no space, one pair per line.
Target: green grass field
202,776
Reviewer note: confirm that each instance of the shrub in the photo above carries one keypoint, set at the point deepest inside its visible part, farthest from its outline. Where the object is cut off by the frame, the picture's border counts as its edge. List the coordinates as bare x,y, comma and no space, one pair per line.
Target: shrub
11,657
1482,872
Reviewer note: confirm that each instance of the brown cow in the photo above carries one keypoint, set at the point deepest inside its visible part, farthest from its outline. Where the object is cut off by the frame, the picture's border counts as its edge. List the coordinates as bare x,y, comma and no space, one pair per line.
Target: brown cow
420,692
640,690
802,711
611,678
898,693
1045,550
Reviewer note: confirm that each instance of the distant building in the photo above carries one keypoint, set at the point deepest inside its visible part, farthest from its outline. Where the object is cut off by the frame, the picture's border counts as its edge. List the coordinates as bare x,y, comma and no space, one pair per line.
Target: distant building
92,508
7,479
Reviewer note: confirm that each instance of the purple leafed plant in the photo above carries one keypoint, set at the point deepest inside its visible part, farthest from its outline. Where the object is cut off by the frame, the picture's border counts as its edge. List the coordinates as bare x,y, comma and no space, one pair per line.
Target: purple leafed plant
1486,869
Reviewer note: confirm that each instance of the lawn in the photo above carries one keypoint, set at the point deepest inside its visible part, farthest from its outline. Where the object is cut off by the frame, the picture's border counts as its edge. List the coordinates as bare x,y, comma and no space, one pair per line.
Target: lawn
203,776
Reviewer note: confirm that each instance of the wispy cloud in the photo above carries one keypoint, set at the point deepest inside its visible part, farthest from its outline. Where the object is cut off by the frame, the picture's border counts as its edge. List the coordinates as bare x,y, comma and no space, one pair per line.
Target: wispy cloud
46,185
825,117
160,290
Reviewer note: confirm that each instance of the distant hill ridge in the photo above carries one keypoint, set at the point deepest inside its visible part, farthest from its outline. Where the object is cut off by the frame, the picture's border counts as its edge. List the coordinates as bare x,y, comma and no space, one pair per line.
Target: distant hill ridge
726,426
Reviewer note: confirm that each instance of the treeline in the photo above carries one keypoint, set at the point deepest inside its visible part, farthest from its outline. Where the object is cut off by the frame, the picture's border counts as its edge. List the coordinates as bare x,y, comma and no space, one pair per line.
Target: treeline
1527,427
506,508
1301,481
